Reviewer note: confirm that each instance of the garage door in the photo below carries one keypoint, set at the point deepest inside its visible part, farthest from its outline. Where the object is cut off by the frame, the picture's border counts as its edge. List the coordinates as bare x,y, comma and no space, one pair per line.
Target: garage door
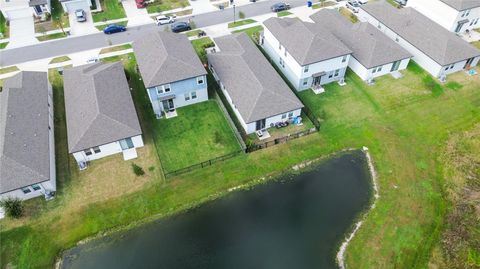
74,5
19,13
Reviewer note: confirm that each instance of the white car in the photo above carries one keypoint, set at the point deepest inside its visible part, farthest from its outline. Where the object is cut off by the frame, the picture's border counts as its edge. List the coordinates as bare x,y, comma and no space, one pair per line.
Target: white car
363,2
162,19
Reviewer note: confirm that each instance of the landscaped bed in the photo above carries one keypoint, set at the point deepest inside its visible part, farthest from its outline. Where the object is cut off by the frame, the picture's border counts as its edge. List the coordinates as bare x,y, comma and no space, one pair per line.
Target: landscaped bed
111,10
284,13
57,20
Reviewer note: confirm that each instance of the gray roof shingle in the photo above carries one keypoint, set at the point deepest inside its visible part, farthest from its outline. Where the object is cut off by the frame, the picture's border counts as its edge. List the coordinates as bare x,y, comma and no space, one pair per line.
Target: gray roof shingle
462,4
98,106
165,57
432,39
370,46
24,134
306,43
256,89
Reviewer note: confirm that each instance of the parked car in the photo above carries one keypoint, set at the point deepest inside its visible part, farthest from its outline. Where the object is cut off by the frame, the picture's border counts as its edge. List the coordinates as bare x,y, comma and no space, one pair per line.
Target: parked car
114,28
80,15
162,19
401,2
280,7
141,3
353,5
362,2
180,27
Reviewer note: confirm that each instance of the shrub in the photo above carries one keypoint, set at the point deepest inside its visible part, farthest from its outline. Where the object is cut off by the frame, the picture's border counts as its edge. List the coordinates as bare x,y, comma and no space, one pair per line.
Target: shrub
137,170
151,168
241,15
13,207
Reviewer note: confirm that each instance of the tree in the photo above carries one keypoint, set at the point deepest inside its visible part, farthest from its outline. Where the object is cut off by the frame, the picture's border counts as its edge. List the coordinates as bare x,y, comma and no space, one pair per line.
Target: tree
13,207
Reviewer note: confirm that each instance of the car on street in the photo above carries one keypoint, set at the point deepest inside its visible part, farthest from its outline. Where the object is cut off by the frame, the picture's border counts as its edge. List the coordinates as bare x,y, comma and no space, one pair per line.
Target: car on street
162,19
353,5
363,2
114,28
180,27
140,3
80,15
280,7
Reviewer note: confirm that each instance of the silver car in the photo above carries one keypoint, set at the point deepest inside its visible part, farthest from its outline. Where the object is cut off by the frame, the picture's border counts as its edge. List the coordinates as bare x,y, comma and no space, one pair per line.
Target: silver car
80,15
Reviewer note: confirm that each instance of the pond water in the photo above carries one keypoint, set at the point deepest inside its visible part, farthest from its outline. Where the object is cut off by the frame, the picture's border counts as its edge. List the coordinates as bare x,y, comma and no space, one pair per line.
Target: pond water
296,222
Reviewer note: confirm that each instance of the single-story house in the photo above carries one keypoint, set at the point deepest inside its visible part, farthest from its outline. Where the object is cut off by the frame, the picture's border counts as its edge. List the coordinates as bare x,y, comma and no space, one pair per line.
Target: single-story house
433,47
171,71
456,16
255,91
373,55
307,55
101,116
27,146
70,6
16,9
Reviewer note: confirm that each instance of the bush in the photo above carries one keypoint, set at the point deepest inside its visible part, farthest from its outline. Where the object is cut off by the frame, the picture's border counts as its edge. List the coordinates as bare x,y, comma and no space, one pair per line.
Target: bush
137,170
241,15
13,207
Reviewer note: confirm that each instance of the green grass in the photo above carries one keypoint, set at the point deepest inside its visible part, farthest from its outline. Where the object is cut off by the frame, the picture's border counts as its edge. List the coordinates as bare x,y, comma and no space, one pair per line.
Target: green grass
165,5
101,27
51,36
349,15
476,44
240,23
283,13
60,59
111,10
10,69
192,32
200,44
116,48
323,4
3,45
252,31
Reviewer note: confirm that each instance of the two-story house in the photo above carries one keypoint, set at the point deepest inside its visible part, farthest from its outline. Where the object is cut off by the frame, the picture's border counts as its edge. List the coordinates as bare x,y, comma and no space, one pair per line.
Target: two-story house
27,146
15,9
307,55
374,54
171,72
437,50
101,116
456,16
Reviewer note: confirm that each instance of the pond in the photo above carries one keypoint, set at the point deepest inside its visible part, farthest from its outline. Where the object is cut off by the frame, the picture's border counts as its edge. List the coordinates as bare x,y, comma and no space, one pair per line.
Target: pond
296,222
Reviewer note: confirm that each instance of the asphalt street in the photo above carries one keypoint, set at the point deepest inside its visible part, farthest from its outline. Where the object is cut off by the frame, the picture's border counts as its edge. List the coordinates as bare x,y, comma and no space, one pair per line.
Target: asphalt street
98,40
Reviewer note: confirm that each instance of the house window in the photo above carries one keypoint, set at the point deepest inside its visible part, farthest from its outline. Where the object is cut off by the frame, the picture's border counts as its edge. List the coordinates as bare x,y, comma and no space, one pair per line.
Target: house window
379,68
96,150
374,70
194,95
305,69
290,115
330,75
305,82
36,187
379,26
166,88
284,116
88,152
282,63
337,72
397,39
279,46
26,190
200,80
344,59
187,97
159,89
285,53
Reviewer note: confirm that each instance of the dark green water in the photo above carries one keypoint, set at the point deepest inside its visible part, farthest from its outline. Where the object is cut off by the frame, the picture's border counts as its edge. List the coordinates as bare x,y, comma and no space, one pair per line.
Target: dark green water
295,223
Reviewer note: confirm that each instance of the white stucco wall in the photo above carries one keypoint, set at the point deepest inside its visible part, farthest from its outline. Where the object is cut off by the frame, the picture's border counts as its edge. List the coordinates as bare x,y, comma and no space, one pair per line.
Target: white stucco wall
107,150
366,74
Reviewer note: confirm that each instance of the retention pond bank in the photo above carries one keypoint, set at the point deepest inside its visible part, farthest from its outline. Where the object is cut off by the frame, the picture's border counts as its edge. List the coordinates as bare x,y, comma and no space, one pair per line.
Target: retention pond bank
296,222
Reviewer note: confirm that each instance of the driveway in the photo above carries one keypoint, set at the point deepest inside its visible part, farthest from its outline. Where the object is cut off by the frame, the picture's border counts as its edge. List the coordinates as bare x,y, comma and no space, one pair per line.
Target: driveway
201,6
81,28
22,30
136,16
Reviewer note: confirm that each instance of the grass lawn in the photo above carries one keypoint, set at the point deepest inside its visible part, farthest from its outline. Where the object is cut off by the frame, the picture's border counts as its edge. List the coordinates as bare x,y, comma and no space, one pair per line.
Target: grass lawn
323,4
165,5
240,23
476,44
4,29
58,17
200,44
283,13
192,32
346,12
8,69
252,31
111,10
116,48
51,36
3,45
101,27
60,59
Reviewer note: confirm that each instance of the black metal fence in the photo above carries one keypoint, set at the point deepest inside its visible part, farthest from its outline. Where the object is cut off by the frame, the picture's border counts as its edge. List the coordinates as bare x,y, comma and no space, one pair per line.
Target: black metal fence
281,140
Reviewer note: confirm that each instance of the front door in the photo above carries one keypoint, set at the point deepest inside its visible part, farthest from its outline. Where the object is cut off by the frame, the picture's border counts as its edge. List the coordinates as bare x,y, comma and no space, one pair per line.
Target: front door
126,143
260,124
38,9
469,62
459,27
317,81
168,105
395,66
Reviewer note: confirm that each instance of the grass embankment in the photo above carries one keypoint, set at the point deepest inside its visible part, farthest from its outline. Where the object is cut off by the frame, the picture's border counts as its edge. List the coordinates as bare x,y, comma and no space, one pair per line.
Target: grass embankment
116,48
9,69
51,36
240,23
60,59
111,10
476,44
283,13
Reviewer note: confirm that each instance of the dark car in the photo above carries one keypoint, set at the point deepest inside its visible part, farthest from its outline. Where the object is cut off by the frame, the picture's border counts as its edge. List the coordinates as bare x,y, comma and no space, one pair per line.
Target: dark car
280,7
114,28
180,27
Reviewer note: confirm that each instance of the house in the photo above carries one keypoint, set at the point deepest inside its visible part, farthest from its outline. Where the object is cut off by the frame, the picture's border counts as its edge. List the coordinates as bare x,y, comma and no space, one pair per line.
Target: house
27,146
255,91
171,71
373,55
434,48
307,55
456,16
70,6
101,117
15,9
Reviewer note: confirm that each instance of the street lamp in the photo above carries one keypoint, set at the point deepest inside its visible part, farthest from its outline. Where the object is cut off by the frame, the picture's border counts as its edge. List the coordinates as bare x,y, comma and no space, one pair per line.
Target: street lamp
234,14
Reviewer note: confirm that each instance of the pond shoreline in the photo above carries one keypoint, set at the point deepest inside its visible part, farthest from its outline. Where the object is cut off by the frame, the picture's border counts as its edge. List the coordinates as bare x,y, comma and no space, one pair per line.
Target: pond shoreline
300,167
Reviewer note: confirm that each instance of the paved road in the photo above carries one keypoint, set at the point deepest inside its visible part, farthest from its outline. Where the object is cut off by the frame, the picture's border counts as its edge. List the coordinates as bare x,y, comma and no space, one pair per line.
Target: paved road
99,40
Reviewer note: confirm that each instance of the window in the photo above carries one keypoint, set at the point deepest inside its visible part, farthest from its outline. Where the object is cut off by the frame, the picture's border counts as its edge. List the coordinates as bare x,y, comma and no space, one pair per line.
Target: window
285,53
397,39
379,68
290,115
166,88
187,97
305,69
96,150
279,46
282,63
330,75
88,152
200,80
467,13
344,59
159,89
194,95
305,82
284,116
337,72
379,26
26,190
36,187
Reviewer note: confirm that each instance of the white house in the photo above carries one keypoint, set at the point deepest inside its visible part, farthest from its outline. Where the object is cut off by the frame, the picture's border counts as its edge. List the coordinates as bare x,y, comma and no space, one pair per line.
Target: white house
255,91
27,146
171,71
373,55
434,48
456,16
307,55
15,9
101,116
72,5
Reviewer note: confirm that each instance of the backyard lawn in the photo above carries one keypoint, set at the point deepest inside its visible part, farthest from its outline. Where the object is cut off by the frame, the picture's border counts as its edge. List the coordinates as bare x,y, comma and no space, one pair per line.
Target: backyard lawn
200,44
111,10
